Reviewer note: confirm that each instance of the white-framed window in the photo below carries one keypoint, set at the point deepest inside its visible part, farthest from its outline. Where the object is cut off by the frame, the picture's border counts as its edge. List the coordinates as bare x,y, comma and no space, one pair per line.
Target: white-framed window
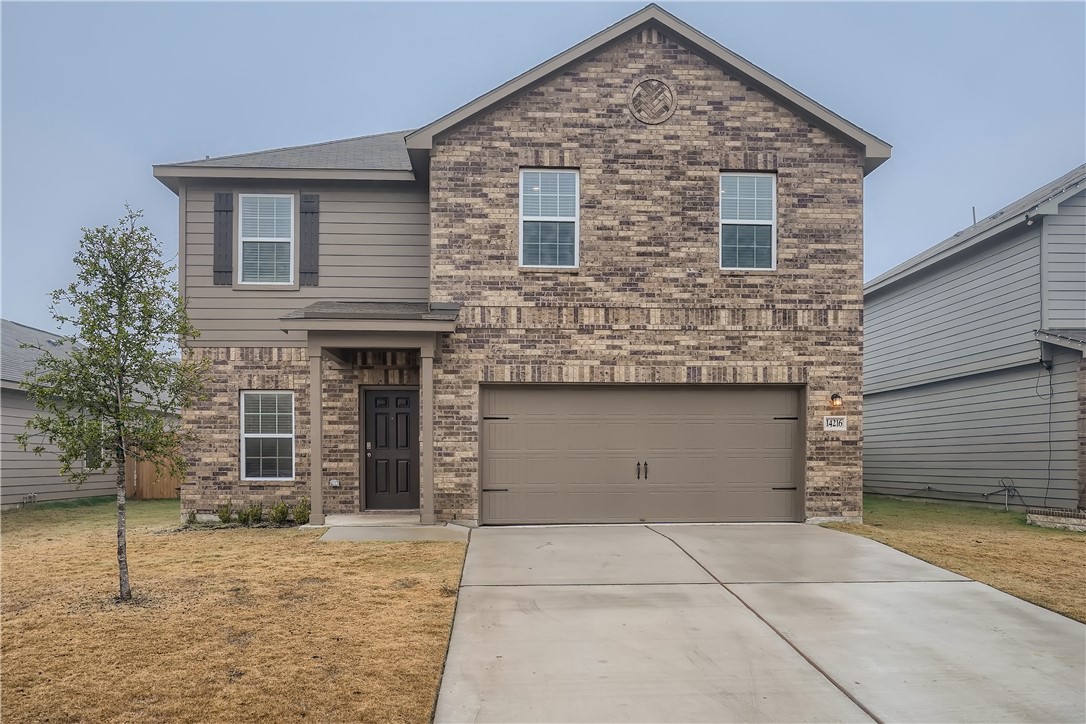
748,221
266,233
549,218
267,435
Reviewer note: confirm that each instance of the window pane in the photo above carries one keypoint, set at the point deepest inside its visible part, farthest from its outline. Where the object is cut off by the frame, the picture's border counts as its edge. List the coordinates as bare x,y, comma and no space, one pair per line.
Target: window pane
266,217
746,246
746,198
269,457
266,262
549,193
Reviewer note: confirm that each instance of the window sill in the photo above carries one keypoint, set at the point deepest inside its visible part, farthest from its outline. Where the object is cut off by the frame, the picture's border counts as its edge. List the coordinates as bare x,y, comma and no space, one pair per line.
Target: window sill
549,270
245,287
273,482
749,271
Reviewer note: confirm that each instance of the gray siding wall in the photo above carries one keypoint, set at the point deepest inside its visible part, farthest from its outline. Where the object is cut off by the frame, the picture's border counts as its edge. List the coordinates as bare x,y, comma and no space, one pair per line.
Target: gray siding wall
22,473
1065,251
973,315
962,436
374,246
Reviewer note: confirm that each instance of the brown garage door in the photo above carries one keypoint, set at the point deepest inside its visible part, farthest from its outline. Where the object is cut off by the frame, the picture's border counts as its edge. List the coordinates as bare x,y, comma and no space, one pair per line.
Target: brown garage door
591,454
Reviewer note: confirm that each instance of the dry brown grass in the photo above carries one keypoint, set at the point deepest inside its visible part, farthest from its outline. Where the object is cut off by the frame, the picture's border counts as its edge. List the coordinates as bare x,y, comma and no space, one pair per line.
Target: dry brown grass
1044,566
228,625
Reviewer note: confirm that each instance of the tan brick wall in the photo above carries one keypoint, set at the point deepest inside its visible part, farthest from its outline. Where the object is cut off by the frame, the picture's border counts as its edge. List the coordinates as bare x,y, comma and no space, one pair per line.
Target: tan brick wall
214,462
649,302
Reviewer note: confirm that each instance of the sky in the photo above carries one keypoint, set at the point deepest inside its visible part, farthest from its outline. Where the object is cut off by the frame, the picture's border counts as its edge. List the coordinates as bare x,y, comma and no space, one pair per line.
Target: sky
982,102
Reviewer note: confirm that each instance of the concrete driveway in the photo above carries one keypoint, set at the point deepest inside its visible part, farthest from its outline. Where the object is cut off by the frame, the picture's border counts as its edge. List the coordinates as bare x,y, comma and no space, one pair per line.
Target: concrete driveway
743,623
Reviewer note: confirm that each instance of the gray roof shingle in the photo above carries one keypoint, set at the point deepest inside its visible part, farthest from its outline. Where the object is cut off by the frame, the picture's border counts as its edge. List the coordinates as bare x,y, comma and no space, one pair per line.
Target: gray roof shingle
15,361
381,152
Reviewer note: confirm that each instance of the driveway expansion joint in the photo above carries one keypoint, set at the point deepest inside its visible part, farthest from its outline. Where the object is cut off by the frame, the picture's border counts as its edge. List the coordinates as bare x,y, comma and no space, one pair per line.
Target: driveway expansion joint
777,631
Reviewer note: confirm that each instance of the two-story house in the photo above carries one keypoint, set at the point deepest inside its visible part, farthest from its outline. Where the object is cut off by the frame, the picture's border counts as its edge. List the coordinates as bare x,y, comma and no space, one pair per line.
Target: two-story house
974,375
626,285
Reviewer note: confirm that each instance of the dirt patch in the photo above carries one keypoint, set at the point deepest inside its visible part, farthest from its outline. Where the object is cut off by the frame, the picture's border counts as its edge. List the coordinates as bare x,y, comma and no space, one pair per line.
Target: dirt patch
1041,565
229,625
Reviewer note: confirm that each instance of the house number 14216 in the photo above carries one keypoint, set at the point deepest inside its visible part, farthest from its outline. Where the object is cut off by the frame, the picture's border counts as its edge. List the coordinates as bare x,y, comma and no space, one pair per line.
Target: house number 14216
834,424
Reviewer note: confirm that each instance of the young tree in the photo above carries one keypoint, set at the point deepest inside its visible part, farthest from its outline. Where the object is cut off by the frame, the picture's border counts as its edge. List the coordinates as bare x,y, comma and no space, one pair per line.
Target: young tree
115,383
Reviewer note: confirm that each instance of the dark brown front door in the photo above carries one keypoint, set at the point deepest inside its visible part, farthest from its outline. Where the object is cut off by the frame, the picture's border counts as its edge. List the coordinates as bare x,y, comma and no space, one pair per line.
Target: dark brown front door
391,449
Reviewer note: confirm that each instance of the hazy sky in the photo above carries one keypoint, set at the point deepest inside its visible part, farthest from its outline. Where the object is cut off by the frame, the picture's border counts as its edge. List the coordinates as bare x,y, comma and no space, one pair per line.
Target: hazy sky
983,102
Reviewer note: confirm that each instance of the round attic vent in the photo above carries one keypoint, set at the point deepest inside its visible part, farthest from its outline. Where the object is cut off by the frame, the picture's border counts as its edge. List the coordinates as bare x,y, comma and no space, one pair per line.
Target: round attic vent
652,101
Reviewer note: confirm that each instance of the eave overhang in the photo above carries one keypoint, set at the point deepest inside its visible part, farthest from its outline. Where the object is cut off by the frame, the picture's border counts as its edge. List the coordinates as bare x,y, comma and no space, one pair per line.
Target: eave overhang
1060,338
171,175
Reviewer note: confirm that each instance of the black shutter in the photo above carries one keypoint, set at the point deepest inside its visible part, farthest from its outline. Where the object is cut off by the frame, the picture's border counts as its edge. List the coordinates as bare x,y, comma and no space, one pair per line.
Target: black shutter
310,254
224,238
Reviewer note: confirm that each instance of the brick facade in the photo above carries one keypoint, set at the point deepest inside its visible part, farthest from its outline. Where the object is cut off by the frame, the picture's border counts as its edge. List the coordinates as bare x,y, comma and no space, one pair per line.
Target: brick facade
648,302
214,462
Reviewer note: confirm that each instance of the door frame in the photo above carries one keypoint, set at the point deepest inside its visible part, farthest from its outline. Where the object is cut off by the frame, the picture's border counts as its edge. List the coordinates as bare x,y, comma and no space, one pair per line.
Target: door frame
361,412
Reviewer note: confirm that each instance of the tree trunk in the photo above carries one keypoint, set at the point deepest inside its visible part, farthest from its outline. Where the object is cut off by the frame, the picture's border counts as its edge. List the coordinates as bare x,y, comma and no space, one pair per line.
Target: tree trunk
122,544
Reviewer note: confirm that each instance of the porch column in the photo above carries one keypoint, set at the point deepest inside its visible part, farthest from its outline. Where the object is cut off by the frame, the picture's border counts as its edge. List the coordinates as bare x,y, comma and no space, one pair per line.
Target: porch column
316,439
426,385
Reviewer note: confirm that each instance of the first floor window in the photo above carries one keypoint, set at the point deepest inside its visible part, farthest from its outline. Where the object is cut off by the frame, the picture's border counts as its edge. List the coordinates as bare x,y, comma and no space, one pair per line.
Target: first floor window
748,217
267,239
267,435
548,218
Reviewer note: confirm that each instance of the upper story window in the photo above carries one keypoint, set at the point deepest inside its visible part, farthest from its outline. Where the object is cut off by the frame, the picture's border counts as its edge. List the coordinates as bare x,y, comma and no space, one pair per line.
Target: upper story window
267,239
748,220
549,226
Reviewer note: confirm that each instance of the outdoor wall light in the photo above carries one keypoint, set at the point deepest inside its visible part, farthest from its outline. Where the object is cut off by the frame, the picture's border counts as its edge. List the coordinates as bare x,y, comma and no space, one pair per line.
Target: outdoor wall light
836,400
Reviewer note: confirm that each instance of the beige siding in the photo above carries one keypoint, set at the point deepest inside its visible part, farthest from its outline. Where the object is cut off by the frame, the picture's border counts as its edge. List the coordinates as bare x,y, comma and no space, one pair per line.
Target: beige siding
24,473
374,246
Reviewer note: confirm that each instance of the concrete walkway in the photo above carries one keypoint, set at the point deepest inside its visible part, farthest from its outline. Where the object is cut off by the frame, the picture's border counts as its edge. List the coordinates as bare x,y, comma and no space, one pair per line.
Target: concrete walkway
743,623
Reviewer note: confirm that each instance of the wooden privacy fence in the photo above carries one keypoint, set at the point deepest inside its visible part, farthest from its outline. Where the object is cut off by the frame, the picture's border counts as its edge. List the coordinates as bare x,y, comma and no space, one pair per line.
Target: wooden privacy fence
144,482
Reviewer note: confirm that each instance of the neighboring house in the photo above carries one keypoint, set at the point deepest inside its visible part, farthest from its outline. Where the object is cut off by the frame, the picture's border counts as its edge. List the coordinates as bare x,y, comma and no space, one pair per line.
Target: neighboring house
974,378
623,286
24,476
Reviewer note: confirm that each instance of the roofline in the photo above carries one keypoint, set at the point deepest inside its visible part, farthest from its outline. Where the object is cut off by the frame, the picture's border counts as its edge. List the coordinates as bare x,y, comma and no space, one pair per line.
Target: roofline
958,244
170,174
876,151
1059,340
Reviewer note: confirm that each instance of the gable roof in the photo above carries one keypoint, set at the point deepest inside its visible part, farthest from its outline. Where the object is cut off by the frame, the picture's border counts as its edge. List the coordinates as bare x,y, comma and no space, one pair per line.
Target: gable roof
381,156
1044,200
875,150
15,361
396,156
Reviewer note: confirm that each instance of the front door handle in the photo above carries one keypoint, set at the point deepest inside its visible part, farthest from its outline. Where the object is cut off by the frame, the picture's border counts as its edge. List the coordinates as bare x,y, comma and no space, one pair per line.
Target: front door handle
369,455
639,470
646,470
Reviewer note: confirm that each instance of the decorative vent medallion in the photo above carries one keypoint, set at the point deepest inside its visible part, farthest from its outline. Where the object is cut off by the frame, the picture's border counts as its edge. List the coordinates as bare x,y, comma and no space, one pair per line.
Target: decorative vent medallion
652,101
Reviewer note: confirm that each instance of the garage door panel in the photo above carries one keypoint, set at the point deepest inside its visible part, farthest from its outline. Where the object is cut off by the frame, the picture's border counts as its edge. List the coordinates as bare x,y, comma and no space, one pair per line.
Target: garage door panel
570,453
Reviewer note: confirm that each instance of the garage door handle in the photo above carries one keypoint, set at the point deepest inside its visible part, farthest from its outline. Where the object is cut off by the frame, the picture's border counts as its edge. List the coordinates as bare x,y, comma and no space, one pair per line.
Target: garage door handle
638,470
495,490
646,470
791,488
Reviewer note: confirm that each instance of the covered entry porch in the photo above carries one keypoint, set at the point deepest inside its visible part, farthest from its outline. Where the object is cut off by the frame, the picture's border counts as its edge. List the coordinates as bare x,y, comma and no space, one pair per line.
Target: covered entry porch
347,334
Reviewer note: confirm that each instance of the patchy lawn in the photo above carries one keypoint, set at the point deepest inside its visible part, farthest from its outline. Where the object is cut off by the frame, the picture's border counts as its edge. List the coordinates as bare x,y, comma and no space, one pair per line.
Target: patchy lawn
228,625
1041,565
